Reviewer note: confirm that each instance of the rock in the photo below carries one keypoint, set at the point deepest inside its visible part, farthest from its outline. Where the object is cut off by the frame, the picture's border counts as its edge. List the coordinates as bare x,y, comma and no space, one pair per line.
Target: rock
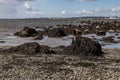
116,34
77,32
86,31
118,37
56,33
101,33
31,48
2,41
47,50
118,31
98,26
111,31
26,32
108,39
84,47
39,36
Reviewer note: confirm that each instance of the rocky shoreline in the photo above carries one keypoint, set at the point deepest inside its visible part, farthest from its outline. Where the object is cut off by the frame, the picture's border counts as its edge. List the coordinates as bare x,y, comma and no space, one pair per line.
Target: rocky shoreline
85,58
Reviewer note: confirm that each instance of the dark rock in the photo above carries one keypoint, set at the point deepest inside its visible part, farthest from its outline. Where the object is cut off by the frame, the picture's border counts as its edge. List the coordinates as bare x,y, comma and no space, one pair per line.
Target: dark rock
84,47
56,33
2,41
26,32
108,39
116,34
101,33
31,48
77,32
47,50
118,37
39,36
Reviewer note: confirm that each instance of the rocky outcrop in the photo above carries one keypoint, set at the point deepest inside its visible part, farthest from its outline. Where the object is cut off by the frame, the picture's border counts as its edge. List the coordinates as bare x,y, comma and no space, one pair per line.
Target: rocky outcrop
56,33
84,47
31,48
39,35
77,32
26,32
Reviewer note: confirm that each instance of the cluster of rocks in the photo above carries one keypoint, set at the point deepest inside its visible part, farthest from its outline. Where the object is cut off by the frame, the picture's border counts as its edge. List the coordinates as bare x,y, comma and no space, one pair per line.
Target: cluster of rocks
82,46
97,27
38,35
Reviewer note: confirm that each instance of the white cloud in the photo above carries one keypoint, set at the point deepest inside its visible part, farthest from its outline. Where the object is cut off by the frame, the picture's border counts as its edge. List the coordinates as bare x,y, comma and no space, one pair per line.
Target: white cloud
63,12
98,12
9,8
28,7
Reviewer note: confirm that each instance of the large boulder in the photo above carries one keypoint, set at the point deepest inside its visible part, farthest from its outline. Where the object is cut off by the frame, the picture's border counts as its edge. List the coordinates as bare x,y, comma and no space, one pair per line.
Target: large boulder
56,33
84,47
26,32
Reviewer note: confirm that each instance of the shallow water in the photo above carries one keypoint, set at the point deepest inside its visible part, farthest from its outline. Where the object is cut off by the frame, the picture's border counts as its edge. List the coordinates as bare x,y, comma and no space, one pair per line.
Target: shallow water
11,40
106,45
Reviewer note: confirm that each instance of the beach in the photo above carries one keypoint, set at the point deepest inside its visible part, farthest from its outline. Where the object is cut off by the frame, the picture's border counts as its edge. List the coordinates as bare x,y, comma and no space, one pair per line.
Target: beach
56,66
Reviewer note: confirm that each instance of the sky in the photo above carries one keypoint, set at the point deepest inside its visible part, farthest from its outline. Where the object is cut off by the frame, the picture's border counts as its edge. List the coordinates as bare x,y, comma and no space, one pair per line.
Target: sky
58,8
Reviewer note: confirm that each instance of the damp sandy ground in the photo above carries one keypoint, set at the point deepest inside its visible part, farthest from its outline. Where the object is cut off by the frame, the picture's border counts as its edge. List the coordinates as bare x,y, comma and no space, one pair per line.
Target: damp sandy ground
60,67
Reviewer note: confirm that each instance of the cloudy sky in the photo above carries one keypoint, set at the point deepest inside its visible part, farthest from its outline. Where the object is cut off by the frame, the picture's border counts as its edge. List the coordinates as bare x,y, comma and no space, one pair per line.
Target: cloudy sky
58,8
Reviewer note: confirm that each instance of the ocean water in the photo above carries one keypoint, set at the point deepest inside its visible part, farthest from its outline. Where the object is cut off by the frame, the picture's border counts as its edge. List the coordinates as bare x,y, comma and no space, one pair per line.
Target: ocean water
11,40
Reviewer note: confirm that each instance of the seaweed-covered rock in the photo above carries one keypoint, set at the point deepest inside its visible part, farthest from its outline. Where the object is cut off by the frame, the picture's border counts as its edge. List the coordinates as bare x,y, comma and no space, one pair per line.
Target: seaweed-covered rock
77,32
84,47
56,33
101,33
26,32
108,39
38,37
31,48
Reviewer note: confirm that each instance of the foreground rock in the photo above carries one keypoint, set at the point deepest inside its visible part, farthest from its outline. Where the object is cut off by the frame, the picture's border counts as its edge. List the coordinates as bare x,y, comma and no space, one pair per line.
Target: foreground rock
84,47
56,33
26,32
31,48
